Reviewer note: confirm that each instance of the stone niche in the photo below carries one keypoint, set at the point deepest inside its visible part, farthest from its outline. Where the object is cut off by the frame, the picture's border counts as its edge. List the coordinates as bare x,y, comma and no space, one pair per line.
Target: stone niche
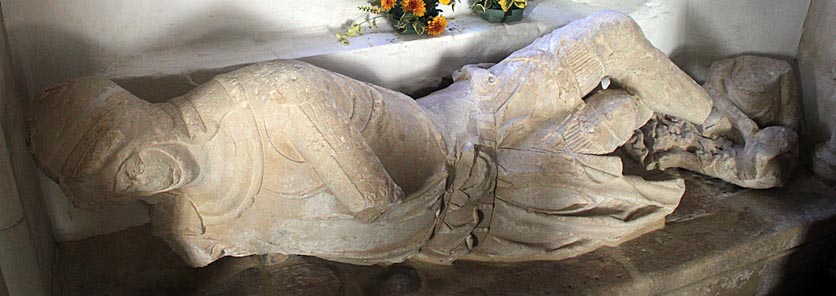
719,237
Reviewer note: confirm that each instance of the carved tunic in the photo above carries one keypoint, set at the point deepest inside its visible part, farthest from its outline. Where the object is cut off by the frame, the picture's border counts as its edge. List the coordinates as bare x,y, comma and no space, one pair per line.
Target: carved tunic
286,206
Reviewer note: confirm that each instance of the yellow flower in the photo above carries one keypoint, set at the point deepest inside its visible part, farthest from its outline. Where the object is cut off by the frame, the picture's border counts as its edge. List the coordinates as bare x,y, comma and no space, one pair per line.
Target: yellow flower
437,25
387,4
508,4
505,5
417,7
444,2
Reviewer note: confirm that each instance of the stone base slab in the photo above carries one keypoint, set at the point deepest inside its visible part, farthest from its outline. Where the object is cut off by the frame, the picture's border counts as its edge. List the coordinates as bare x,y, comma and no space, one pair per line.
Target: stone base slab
722,240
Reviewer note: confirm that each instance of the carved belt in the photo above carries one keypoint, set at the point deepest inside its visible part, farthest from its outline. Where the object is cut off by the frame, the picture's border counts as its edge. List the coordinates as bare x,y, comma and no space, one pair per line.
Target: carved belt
465,217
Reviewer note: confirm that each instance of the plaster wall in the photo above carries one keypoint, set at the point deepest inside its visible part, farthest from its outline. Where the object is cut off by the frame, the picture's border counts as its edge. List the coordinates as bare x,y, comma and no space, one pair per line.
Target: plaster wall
817,69
717,29
17,255
160,49
26,244
56,40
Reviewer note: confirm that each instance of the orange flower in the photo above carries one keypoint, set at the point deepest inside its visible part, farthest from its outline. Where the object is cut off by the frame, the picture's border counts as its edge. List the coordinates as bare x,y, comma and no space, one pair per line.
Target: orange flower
417,7
444,2
437,25
387,4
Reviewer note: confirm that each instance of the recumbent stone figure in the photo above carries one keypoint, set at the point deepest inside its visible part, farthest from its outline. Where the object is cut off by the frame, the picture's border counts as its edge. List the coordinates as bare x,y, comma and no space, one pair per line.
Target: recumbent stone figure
509,163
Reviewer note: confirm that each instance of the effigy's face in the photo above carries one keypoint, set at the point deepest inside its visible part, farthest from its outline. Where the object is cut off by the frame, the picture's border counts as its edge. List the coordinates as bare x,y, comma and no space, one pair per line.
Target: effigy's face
115,167
91,168
148,172
119,167
111,147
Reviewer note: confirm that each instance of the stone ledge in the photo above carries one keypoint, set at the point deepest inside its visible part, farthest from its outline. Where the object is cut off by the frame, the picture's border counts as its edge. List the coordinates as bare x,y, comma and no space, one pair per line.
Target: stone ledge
721,240
407,63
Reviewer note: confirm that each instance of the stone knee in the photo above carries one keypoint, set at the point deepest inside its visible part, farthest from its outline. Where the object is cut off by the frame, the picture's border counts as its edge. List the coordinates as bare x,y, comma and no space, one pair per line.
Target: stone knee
610,43
631,60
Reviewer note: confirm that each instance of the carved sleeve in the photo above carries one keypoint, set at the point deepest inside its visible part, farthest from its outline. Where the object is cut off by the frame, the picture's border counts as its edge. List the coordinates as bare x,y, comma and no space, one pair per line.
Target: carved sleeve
295,102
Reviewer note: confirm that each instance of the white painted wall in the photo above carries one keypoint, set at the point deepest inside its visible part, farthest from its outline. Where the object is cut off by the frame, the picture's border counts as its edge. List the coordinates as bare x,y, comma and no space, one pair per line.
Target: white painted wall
162,48
27,247
720,28
817,68
55,40
18,261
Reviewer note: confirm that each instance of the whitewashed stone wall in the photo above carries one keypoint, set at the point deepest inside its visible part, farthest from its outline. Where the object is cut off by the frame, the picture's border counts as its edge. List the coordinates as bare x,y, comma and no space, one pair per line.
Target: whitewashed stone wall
26,242
817,68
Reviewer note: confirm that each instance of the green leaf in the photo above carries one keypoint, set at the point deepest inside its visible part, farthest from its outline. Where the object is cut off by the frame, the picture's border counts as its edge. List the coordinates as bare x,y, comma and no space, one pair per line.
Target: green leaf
408,17
401,26
354,31
419,28
480,6
342,38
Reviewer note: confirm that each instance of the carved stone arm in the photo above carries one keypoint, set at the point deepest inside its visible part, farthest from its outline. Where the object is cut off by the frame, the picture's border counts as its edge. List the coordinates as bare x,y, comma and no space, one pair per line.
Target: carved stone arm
300,107
343,159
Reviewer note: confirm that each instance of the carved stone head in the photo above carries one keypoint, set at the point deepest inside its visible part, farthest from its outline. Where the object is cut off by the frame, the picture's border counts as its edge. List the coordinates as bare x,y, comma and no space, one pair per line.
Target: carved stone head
101,143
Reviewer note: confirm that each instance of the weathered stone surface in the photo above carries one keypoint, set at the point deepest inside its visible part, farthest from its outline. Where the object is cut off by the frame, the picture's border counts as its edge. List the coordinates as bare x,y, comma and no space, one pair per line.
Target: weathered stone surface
306,278
510,163
722,240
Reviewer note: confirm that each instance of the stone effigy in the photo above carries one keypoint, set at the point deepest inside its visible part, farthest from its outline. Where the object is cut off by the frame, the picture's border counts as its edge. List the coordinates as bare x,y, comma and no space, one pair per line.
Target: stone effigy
509,163
749,139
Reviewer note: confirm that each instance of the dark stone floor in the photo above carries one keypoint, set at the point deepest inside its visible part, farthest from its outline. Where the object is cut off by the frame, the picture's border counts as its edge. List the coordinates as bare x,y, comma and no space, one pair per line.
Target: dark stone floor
722,240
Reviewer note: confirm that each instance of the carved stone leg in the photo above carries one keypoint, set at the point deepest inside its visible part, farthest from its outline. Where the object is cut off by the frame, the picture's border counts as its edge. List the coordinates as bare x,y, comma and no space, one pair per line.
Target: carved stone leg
553,206
562,198
556,195
611,44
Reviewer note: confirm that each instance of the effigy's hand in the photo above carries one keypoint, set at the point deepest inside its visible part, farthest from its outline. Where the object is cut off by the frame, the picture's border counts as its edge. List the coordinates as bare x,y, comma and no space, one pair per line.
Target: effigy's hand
606,121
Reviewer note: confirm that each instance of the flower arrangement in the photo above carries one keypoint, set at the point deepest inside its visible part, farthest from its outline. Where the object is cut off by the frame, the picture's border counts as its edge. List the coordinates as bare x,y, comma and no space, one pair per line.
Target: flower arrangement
407,16
482,5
